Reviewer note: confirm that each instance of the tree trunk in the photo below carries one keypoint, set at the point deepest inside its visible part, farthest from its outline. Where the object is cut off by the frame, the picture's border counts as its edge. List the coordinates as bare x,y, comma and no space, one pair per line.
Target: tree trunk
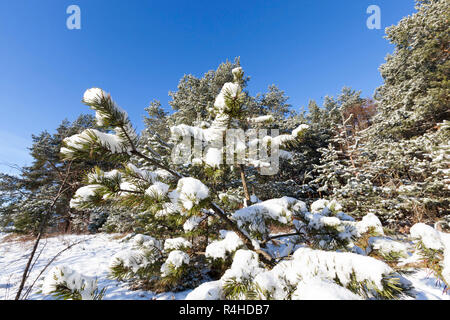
265,257
244,182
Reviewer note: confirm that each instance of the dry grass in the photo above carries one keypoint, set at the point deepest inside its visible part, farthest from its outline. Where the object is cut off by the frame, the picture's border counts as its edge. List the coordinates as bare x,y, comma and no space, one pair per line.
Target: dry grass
421,214
14,237
120,236
278,228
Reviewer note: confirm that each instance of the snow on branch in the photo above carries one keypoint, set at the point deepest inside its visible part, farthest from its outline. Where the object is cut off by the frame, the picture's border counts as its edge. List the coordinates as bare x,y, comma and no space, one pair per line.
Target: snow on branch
94,143
189,193
63,282
254,218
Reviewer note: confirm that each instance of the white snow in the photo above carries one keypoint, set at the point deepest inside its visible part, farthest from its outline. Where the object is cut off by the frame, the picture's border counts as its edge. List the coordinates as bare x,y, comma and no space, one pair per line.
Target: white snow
146,175
228,88
220,248
245,266
430,237
83,194
175,259
130,258
339,265
310,265
318,221
168,208
91,258
145,241
127,186
326,207
426,286
63,275
370,221
138,256
268,118
386,246
280,210
236,71
207,291
436,240
183,130
112,142
284,138
320,206
115,143
192,223
278,140
285,154
157,190
176,244
93,95
189,192
300,129
320,289
214,157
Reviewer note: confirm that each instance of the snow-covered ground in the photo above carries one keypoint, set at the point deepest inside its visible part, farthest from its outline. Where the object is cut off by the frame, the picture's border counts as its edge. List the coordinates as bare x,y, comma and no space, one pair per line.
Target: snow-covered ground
92,255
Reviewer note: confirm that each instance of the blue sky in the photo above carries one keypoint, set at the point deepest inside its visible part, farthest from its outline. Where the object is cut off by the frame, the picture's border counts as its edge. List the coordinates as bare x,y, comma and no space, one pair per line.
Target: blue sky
138,50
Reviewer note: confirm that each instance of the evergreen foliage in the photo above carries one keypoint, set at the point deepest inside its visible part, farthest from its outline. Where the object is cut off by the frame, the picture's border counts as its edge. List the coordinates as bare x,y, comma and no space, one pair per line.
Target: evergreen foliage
26,197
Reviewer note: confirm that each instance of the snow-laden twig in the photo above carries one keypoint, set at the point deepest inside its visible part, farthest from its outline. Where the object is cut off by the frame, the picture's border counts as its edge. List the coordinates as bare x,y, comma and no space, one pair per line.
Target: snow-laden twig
27,293
42,226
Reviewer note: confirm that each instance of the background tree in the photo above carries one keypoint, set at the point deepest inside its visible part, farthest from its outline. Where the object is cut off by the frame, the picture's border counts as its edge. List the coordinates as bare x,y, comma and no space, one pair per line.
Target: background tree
26,197
398,166
415,95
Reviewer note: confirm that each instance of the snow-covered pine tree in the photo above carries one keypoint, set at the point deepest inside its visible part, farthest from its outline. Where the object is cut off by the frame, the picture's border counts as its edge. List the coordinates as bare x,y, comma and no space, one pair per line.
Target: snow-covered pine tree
339,165
191,102
39,182
144,191
398,167
408,142
10,198
415,93
250,267
195,96
231,114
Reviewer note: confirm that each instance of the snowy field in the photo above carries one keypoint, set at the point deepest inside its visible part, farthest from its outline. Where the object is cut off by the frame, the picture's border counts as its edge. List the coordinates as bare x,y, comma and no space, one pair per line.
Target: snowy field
92,255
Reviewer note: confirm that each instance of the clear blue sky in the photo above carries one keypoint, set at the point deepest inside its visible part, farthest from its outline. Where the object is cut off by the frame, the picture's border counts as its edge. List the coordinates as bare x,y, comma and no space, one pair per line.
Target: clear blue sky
138,50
